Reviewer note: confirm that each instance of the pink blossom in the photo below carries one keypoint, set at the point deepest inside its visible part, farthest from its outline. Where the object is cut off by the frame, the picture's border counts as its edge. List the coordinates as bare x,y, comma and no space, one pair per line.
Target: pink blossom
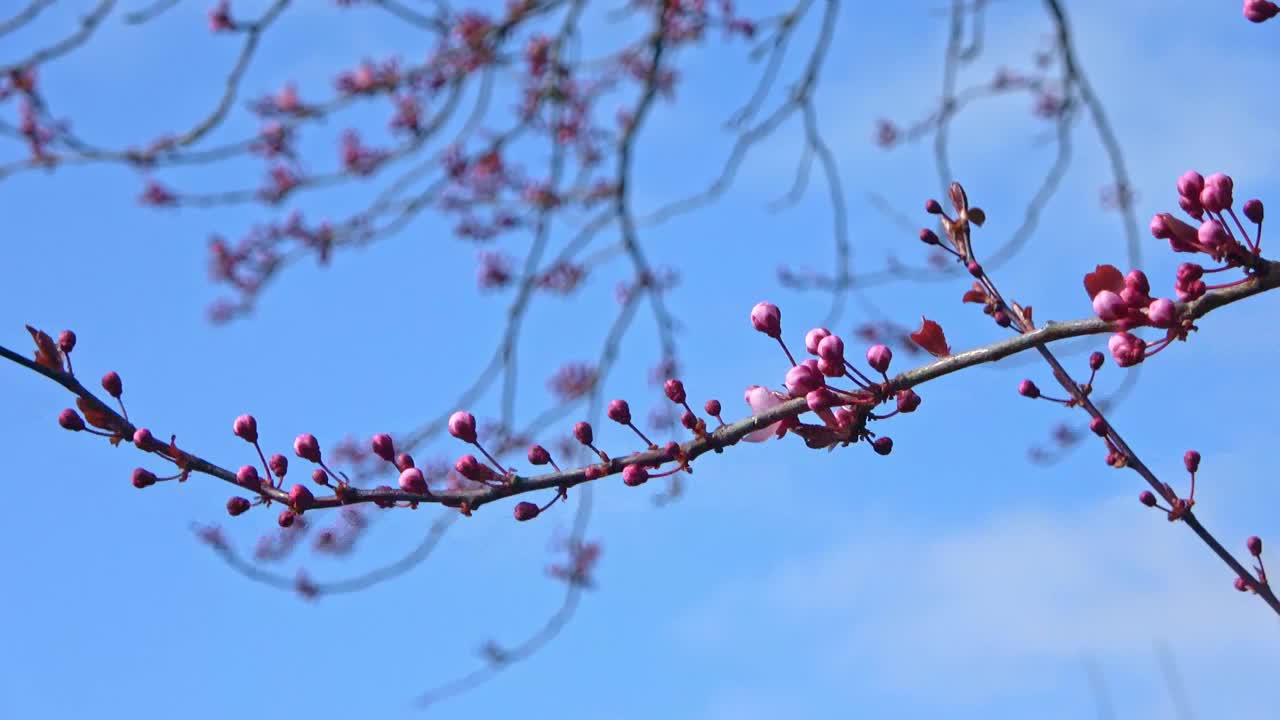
761,399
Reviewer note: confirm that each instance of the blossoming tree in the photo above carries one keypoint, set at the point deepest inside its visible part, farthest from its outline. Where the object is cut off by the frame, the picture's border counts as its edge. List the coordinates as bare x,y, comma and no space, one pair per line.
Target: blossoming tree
521,126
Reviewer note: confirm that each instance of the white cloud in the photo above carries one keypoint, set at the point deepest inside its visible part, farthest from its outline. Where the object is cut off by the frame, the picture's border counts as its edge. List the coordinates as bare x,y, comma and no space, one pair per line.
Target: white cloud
1009,604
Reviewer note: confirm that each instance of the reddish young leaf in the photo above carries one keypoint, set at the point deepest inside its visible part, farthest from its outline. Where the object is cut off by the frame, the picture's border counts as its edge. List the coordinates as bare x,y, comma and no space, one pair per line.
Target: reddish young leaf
47,354
977,295
179,458
95,415
931,338
959,200
1104,277
818,436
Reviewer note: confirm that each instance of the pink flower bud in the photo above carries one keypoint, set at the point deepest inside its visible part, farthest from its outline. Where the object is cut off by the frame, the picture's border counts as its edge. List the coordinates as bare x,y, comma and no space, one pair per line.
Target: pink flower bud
279,465
803,379
1191,460
538,455
929,237
1191,183
619,412
933,207
1026,388
634,475
1188,272
712,407
143,478
1220,180
286,518
974,268
1254,543
882,445
384,502
384,447
767,318
1253,211
1109,306
582,432
412,481
1189,291
1216,195
1146,497
70,420
761,399
1240,584
462,425
67,341
674,390
1213,235
831,349
1134,299
144,440
1127,349
1191,206
813,337
879,357
688,420
1257,11
307,447
111,383
247,477
1181,236
246,428
404,461
908,401
300,498
1162,313
525,511
820,399
472,469
1095,361
320,477
1098,427
237,506
593,472
1137,280
830,369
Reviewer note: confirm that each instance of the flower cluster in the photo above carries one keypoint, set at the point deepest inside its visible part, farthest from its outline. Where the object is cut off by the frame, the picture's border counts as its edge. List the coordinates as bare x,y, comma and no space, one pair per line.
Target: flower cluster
1126,301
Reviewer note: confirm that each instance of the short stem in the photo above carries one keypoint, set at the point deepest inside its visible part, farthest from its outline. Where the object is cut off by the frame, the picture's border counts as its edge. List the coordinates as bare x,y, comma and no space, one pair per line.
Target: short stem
490,457
785,350
646,440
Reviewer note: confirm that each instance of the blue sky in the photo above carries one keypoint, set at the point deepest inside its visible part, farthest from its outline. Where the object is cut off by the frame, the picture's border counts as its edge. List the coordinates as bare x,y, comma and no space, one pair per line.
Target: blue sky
952,578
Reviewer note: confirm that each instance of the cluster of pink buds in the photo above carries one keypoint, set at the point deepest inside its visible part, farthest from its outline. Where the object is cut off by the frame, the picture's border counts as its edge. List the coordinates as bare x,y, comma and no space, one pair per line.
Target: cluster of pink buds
1125,300
301,498
845,413
1209,201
